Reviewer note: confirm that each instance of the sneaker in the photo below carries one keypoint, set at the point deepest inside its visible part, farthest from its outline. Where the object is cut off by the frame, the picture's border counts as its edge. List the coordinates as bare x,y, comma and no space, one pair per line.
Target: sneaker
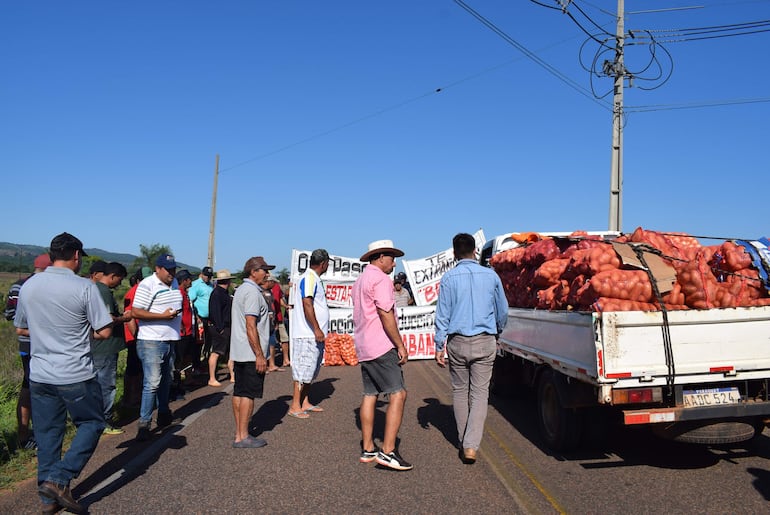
61,494
250,443
30,444
112,430
393,460
369,456
143,434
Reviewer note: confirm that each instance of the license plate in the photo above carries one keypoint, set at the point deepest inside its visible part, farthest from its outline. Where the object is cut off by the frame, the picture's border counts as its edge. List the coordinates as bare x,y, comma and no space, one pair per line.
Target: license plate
711,397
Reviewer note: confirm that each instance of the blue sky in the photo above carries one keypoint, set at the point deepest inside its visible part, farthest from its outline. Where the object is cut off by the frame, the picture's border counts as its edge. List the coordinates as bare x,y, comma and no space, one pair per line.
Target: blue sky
342,122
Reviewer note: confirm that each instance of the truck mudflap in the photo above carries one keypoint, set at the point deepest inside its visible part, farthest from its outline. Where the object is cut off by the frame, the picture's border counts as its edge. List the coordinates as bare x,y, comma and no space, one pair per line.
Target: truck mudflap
681,414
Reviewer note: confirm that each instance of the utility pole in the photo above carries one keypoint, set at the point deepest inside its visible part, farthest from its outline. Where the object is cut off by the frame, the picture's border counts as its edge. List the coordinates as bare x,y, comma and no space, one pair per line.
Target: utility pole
618,70
210,260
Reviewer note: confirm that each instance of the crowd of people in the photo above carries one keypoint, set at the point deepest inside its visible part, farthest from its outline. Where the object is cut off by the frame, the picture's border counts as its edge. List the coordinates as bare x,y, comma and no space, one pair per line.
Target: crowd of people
71,331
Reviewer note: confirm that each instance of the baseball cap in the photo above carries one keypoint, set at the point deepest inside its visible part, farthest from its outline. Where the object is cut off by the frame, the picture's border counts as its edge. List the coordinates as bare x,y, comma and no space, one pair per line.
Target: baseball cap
253,263
165,261
43,261
183,275
207,271
400,277
61,243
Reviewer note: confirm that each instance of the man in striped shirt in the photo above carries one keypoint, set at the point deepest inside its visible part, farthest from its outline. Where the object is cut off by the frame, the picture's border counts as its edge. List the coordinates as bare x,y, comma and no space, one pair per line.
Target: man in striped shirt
158,304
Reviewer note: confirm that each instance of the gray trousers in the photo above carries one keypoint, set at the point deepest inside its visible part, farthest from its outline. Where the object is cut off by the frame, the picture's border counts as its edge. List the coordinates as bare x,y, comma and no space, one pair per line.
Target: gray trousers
470,368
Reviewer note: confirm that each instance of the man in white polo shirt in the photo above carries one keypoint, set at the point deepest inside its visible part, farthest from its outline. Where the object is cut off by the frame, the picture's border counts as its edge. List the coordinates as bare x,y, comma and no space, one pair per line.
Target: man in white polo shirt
158,304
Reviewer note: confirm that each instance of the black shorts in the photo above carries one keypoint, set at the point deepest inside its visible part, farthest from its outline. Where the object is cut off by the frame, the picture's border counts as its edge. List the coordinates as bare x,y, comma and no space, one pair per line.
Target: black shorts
220,343
248,382
25,364
383,374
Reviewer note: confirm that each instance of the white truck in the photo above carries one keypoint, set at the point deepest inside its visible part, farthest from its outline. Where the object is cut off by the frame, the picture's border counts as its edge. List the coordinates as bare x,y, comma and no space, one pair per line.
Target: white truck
698,376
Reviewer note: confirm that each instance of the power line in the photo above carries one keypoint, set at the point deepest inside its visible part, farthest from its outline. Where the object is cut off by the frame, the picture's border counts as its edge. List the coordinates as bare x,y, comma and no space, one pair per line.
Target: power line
531,55
698,105
388,109
681,40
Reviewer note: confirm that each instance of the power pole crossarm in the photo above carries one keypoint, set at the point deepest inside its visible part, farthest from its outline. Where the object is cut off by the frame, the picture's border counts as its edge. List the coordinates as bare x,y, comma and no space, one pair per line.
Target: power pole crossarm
210,259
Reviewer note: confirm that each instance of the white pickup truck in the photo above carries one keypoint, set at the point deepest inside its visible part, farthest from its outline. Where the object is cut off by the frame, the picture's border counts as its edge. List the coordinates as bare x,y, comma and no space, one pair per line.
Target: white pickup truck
699,376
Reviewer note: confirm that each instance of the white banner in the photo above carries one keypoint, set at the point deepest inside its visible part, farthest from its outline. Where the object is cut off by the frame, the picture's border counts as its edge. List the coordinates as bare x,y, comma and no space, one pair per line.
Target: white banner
424,274
339,294
415,323
341,269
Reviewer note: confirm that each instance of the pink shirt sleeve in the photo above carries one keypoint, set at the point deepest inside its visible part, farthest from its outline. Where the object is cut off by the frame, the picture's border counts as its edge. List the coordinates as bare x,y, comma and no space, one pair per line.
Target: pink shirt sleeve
384,295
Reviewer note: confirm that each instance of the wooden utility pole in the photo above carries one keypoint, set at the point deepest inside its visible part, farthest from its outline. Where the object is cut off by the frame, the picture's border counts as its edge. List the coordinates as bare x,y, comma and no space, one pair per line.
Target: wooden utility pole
210,260
616,165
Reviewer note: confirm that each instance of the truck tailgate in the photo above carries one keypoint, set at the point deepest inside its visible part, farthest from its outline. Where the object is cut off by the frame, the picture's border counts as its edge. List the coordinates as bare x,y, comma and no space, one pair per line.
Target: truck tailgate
708,344
628,346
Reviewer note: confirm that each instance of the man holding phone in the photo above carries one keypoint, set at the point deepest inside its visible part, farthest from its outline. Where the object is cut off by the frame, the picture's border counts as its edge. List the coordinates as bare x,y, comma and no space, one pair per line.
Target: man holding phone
158,304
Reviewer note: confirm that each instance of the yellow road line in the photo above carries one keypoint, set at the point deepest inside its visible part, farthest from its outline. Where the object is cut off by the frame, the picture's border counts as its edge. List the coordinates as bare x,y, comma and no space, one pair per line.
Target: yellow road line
506,479
525,471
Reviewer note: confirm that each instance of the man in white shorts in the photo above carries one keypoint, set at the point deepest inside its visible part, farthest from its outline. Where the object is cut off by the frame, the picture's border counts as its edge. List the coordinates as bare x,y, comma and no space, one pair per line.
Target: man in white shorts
309,324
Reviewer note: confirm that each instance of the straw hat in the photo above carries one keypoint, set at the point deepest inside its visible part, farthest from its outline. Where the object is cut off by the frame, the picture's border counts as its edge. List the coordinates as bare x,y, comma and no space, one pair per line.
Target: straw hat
223,275
379,247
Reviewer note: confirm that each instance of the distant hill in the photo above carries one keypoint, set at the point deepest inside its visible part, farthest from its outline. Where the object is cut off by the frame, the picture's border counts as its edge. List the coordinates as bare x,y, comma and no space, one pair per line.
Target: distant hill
20,258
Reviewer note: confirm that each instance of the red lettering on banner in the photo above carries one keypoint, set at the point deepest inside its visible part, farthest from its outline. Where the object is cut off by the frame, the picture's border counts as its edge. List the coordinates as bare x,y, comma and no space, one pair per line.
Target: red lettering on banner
430,292
419,344
338,292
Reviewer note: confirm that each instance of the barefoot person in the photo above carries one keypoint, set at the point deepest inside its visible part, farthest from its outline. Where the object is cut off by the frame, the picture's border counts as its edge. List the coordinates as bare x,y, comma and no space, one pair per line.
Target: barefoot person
309,325
220,307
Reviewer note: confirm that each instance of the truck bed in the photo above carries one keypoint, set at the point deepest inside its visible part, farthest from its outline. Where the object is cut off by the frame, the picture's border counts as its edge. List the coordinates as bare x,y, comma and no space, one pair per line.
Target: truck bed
626,348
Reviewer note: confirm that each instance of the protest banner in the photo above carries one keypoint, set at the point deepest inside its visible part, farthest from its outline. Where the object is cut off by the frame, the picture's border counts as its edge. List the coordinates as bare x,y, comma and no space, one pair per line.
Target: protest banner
339,294
341,269
425,274
415,323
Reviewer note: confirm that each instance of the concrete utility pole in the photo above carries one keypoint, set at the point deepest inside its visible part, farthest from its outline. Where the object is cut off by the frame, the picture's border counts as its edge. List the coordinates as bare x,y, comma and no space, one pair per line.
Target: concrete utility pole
210,260
617,69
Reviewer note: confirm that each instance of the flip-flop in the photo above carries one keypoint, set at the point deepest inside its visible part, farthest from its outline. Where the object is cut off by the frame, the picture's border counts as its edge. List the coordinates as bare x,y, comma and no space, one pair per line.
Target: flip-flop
298,414
317,409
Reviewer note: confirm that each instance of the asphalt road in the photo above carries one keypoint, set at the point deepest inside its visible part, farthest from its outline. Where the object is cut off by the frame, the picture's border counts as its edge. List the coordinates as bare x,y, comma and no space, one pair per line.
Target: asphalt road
311,465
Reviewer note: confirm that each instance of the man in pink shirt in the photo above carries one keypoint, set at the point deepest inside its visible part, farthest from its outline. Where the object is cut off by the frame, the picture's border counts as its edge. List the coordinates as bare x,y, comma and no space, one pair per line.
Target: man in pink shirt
381,352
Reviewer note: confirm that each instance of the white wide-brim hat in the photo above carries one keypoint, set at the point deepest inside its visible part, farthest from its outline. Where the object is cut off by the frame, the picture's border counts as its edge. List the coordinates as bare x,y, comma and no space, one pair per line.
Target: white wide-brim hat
379,247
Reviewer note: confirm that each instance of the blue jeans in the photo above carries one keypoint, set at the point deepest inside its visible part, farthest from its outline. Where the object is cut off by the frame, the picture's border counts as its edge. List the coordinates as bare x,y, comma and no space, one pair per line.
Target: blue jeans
50,405
158,367
106,368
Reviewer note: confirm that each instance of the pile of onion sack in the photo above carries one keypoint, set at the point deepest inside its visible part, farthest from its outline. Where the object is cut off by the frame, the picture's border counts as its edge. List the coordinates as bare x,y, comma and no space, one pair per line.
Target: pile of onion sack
587,273
339,349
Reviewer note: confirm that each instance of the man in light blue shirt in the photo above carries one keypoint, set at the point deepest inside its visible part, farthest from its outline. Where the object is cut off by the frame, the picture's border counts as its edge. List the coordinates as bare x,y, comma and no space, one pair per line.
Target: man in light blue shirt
470,313
199,294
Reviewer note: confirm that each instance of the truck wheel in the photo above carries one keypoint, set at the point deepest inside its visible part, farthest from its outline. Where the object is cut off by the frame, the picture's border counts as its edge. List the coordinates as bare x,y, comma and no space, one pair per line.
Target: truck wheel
559,426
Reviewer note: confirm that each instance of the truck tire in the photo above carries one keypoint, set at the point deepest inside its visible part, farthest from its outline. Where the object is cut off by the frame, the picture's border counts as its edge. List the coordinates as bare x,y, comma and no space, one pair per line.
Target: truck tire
709,433
560,427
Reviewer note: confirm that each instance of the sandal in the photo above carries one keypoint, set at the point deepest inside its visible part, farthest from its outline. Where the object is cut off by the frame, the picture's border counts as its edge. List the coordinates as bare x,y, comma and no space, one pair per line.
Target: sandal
298,414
